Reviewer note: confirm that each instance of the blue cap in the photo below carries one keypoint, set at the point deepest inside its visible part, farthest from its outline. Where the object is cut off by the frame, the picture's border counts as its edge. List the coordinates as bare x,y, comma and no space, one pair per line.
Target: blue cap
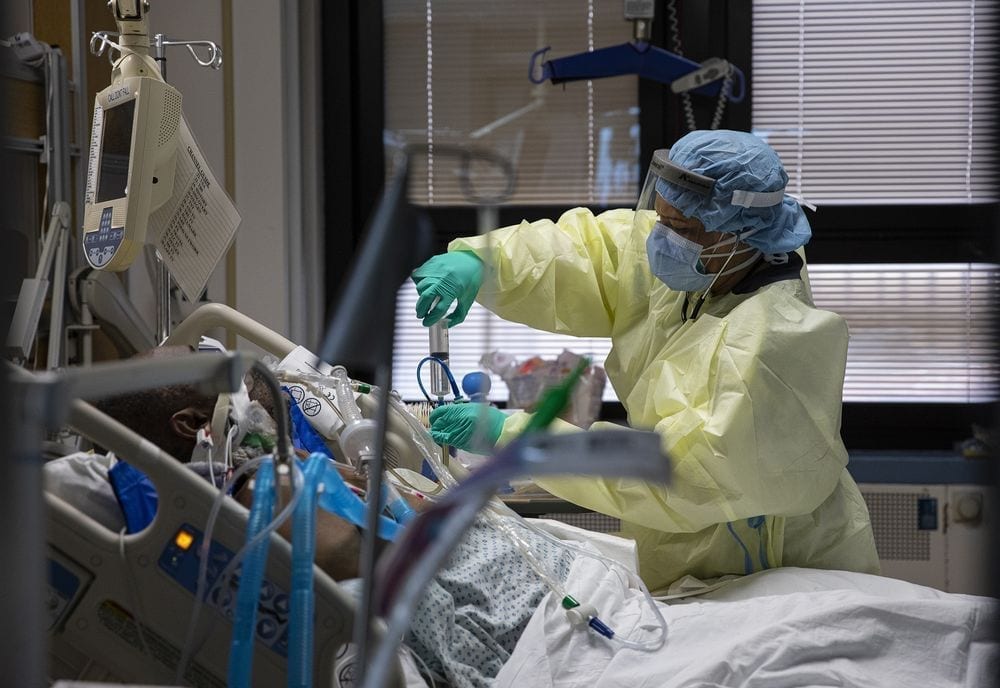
476,385
738,162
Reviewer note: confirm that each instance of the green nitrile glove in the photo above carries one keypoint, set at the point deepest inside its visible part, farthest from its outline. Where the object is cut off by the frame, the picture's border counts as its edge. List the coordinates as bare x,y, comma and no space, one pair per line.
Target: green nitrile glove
444,279
472,427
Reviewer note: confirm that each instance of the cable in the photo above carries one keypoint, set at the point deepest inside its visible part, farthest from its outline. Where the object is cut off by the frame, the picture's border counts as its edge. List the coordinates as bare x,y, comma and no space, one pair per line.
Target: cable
227,451
614,566
451,378
211,469
413,488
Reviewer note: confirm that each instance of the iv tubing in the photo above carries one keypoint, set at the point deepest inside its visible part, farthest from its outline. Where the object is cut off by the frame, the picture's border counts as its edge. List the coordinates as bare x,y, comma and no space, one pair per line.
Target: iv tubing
206,539
650,646
223,578
241,645
300,641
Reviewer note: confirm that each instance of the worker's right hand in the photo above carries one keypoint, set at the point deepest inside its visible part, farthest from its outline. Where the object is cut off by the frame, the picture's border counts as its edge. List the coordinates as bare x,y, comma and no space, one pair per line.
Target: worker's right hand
444,279
469,426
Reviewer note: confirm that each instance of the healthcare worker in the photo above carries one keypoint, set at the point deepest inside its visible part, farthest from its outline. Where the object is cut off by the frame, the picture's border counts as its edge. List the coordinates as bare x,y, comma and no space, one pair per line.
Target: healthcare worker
716,345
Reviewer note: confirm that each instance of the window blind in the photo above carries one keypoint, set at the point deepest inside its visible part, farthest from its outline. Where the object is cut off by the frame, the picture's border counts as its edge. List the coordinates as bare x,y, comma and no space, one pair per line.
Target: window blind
918,333
879,102
457,75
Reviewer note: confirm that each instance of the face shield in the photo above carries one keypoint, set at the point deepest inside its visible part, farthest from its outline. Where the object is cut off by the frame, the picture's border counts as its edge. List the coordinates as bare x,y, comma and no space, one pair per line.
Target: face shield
675,257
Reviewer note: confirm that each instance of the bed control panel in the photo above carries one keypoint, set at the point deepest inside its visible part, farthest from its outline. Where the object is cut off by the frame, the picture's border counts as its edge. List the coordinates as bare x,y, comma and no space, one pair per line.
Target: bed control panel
180,560
66,583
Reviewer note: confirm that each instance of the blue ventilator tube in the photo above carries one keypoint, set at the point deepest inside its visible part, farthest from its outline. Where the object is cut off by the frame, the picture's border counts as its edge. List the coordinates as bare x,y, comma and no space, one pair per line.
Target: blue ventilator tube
400,509
261,514
338,499
300,639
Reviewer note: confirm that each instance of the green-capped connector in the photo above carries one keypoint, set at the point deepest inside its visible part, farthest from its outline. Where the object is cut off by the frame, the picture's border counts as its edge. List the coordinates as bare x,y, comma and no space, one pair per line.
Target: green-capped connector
568,602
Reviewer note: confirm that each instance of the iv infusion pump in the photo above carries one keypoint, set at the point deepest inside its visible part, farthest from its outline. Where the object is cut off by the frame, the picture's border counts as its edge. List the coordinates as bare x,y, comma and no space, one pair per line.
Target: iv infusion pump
133,146
133,153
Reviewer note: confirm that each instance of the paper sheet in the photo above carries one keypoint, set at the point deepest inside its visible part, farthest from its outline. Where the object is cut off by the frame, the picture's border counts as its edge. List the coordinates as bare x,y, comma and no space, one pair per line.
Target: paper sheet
193,230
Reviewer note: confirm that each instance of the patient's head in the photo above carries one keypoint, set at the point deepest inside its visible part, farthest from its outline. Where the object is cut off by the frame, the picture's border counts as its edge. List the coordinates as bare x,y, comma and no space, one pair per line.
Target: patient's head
170,417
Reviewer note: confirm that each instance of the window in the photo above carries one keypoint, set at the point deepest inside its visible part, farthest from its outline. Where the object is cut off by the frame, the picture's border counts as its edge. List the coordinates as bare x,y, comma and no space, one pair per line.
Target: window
457,74
879,102
888,103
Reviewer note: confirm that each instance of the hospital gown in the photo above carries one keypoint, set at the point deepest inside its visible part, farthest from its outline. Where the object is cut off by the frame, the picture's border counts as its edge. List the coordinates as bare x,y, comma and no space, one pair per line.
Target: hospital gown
475,609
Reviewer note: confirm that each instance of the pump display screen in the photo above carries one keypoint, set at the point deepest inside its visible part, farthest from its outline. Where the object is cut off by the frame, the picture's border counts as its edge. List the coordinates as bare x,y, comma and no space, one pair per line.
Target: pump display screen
116,145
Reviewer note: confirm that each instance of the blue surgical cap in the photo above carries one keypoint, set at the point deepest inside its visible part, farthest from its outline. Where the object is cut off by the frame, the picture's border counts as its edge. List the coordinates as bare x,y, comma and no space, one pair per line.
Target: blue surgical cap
737,161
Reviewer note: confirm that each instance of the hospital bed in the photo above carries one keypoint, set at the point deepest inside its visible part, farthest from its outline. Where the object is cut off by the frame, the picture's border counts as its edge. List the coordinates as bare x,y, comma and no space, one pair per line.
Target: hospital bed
399,451
118,605
779,627
113,599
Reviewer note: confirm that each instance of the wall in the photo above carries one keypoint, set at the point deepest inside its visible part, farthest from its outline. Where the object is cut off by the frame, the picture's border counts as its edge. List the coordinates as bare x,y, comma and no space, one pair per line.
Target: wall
261,159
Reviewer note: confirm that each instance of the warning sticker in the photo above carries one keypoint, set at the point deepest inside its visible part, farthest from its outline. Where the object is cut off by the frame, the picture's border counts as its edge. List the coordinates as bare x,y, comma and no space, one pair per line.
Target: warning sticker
120,622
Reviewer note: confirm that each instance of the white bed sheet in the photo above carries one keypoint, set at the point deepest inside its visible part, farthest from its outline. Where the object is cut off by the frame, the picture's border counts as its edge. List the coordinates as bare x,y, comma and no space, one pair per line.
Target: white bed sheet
786,627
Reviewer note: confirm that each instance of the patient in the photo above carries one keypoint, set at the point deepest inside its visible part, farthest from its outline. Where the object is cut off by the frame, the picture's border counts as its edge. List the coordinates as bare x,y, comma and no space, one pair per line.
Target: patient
475,609
171,416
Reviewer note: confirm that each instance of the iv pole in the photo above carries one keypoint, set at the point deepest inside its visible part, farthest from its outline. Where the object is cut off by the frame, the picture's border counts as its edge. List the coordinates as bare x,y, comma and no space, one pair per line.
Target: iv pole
99,42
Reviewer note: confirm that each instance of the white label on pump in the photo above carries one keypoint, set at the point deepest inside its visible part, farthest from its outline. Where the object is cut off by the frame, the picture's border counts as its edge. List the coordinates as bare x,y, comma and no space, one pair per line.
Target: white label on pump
317,411
193,230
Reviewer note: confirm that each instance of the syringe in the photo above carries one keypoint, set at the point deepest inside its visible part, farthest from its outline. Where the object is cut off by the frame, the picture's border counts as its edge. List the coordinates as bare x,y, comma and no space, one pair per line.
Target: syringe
438,334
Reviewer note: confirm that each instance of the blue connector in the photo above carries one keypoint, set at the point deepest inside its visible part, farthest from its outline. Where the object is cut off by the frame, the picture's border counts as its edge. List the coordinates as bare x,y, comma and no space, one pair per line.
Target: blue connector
601,627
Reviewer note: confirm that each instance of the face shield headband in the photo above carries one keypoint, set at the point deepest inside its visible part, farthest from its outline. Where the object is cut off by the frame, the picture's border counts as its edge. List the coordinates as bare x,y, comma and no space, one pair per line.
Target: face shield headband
661,167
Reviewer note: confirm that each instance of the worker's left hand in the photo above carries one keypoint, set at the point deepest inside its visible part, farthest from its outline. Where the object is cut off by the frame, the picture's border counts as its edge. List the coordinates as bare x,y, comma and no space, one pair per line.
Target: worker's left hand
472,427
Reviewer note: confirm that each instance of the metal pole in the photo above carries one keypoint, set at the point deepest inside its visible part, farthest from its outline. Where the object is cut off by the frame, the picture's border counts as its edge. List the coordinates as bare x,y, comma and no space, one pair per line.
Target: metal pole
22,599
366,614
162,276
82,112
57,130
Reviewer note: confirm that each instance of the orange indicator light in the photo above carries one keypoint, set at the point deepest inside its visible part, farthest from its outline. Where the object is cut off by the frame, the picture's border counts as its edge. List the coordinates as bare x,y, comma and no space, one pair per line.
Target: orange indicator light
184,540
